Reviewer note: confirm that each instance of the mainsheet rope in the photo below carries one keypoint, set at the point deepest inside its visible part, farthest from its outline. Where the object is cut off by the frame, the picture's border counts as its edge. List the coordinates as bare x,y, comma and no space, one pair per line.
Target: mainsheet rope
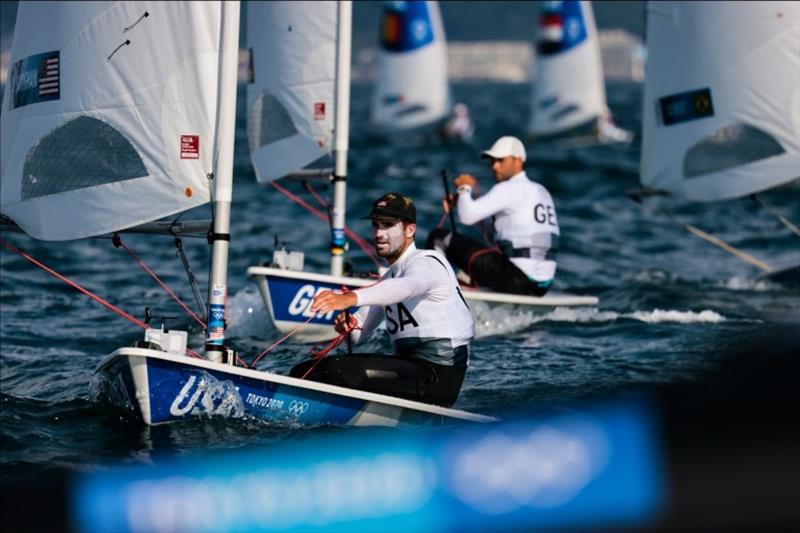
319,354
81,289
316,353
785,221
117,240
322,216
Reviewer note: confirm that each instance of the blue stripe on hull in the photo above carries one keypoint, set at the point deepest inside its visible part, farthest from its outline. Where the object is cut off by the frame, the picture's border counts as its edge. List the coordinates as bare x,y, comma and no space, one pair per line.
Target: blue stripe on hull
180,391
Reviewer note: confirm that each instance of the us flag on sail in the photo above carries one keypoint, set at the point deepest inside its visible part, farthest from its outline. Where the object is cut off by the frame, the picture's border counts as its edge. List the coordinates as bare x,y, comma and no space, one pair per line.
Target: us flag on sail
35,79
48,83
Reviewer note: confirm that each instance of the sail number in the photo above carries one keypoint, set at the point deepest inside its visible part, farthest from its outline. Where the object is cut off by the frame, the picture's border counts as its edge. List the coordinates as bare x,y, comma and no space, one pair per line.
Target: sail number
301,303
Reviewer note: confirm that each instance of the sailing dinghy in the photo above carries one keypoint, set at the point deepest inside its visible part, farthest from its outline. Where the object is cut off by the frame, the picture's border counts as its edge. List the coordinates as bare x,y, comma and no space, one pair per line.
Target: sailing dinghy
411,90
287,290
721,117
117,114
568,97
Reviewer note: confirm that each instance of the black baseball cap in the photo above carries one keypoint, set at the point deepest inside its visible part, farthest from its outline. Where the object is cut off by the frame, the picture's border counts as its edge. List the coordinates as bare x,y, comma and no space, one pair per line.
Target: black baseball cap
394,205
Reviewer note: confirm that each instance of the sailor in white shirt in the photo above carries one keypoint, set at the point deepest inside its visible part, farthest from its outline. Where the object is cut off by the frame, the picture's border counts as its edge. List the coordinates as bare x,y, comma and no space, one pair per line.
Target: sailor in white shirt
427,318
523,260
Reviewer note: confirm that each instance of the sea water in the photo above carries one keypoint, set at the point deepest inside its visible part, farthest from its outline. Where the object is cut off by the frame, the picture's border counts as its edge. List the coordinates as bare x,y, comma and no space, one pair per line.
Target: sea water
671,305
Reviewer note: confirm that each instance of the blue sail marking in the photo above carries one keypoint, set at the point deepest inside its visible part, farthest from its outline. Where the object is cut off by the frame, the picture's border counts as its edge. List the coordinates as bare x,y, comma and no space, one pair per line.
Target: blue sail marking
406,26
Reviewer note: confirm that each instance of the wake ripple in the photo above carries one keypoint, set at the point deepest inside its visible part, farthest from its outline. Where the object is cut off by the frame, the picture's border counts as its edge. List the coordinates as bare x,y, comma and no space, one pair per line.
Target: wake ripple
499,320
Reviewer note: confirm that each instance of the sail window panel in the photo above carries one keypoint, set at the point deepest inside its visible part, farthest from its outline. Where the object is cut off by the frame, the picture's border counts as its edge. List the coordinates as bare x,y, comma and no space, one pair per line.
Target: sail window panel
729,147
84,152
270,122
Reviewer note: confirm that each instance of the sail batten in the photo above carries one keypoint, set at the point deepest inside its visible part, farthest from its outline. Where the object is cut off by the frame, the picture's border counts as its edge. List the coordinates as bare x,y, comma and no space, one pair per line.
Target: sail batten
721,114
108,115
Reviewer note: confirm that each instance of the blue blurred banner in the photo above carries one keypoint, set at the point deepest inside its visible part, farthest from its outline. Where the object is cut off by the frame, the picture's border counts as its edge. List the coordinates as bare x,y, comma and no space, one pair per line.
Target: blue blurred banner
591,467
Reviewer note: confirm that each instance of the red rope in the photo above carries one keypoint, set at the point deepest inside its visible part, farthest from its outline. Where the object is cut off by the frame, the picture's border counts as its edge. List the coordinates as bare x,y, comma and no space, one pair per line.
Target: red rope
276,343
77,287
475,256
316,195
322,216
320,354
441,220
161,283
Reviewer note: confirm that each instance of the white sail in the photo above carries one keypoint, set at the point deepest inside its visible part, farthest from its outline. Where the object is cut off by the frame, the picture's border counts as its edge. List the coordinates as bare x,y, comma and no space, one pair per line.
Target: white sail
721,114
109,114
411,88
290,106
568,86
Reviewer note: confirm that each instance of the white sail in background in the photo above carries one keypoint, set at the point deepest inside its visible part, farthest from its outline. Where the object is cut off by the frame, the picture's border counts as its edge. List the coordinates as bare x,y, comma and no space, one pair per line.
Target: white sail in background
290,105
109,114
411,88
721,112
568,86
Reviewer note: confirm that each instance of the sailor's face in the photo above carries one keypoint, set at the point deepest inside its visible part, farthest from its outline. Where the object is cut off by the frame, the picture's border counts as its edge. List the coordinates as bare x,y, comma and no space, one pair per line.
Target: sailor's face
389,236
506,167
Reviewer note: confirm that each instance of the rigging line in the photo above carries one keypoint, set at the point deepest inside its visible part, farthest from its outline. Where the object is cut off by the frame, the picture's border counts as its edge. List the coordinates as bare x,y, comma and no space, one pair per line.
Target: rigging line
117,241
146,14
276,343
785,221
316,195
741,254
77,287
317,213
360,241
126,43
198,298
441,220
727,247
74,285
319,355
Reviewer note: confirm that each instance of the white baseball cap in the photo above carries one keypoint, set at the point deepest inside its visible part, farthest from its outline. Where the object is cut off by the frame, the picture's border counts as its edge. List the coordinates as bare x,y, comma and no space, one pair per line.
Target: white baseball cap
504,147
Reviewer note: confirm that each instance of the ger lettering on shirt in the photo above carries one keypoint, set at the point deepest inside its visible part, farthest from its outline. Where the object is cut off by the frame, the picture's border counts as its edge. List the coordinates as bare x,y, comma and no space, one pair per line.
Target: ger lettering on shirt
524,214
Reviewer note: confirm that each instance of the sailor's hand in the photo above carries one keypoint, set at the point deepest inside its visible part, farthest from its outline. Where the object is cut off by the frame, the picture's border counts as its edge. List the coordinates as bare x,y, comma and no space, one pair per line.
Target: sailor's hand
466,179
341,323
327,301
448,202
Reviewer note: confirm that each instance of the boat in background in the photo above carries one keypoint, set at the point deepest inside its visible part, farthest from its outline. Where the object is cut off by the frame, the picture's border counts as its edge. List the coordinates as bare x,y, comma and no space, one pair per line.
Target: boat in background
286,289
411,88
721,116
126,117
290,89
568,97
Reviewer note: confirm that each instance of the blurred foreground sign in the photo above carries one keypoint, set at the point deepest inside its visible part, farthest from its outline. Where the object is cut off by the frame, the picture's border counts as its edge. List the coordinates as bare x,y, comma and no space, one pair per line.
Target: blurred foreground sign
590,467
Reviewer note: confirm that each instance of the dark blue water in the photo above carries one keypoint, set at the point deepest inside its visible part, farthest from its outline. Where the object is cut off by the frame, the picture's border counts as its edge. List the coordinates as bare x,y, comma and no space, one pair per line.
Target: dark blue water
671,304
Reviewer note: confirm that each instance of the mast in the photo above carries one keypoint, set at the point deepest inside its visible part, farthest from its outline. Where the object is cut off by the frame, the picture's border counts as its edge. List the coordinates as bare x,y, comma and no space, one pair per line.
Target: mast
223,178
341,128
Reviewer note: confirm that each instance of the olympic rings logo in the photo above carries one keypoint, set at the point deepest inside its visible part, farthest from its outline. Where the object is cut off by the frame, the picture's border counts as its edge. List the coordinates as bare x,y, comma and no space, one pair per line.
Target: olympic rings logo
297,407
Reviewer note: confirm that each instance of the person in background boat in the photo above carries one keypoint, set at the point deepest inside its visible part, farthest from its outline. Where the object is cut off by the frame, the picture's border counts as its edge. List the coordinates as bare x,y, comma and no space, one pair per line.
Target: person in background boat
459,126
608,132
427,318
525,225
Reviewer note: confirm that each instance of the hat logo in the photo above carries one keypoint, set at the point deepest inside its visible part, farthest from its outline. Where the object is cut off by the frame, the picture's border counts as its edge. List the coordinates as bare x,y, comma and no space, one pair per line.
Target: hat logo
382,204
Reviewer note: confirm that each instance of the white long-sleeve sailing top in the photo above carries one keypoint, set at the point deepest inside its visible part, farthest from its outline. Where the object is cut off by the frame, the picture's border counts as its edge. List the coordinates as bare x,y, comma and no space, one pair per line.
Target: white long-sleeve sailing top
420,299
524,214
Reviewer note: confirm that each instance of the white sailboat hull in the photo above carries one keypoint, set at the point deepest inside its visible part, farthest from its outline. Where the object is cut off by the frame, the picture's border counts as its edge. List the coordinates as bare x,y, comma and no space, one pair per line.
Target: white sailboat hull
287,295
162,387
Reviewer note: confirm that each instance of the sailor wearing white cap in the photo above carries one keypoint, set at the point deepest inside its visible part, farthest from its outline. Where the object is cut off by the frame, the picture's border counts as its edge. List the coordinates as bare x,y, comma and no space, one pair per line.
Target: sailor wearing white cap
525,226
